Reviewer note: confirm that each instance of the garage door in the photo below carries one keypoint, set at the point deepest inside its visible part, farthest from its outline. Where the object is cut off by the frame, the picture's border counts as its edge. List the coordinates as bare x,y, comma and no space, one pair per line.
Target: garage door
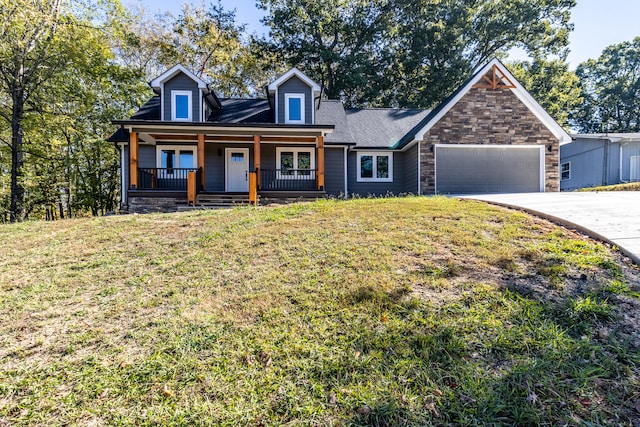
469,169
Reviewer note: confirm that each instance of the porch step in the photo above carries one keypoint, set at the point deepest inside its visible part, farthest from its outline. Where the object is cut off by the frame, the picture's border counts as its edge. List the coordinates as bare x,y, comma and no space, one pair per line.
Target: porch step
209,200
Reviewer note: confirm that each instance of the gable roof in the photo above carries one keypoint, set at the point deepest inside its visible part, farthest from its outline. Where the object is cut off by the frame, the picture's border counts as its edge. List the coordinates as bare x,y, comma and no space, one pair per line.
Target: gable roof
297,73
519,90
172,72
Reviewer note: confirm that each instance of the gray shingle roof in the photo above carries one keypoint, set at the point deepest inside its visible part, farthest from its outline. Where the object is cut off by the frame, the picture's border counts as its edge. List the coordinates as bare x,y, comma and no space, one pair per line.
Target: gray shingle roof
367,127
242,110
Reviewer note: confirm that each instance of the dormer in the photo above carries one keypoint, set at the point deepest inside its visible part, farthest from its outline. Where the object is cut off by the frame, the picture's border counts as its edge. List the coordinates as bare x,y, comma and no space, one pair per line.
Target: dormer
182,95
294,97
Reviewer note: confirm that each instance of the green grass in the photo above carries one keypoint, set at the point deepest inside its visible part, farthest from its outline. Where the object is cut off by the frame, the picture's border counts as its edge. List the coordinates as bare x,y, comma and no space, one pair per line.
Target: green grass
384,312
632,186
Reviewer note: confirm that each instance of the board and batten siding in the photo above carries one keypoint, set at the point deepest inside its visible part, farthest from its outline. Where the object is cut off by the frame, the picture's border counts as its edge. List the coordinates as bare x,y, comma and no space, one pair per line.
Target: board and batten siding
182,82
334,171
295,85
365,189
411,170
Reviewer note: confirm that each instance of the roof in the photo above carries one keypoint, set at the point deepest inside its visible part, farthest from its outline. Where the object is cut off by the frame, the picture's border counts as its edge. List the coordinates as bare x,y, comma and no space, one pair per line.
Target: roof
519,90
173,71
332,112
294,72
149,111
367,127
242,110
381,127
613,137
121,135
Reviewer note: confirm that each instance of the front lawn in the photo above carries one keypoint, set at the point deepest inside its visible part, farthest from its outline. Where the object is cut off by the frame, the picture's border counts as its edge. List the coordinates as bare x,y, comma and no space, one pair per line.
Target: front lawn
386,312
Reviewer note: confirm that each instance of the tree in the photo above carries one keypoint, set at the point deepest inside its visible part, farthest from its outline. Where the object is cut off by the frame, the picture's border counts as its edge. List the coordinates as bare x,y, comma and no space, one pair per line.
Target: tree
611,87
409,53
32,42
205,40
551,84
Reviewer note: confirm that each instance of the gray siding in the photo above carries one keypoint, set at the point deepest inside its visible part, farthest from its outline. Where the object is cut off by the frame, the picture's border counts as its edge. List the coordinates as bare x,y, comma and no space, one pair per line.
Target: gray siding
214,163
590,167
411,170
376,188
147,156
295,85
334,171
628,150
182,82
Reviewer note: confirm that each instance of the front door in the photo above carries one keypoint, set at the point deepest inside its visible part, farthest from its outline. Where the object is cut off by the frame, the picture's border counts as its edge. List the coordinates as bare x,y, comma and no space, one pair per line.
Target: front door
237,166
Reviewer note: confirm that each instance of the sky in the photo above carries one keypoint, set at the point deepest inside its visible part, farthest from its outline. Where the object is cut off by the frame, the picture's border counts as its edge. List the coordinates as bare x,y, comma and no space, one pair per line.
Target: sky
597,23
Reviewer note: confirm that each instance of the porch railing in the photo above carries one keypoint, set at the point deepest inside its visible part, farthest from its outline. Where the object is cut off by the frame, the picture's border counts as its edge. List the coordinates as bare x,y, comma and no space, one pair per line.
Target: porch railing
165,178
288,179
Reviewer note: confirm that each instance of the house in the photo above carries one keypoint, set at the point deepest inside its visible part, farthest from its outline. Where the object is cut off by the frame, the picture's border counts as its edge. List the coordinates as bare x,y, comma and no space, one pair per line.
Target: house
592,160
186,145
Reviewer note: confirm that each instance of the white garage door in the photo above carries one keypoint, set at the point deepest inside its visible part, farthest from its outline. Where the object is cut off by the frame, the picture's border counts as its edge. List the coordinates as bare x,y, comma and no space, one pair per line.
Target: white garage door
473,169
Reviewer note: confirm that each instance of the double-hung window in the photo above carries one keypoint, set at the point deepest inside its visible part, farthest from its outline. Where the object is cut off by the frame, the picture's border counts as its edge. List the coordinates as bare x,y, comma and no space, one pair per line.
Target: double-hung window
295,163
375,166
181,107
294,108
565,171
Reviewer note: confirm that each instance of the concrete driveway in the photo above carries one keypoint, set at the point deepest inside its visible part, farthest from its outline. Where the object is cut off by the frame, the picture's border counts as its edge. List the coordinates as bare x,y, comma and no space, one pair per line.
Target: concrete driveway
610,216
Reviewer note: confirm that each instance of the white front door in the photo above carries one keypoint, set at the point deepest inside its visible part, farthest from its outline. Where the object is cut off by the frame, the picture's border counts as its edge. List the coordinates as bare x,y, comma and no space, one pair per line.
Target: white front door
237,166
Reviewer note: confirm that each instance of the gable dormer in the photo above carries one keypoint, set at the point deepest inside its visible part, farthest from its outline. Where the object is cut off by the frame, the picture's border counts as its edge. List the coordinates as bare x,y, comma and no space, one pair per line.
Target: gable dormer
181,95
295,94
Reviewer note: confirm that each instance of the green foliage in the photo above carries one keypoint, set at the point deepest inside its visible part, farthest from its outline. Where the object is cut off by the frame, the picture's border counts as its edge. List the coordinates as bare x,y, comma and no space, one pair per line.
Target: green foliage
205,40
408,53
611,88
551,84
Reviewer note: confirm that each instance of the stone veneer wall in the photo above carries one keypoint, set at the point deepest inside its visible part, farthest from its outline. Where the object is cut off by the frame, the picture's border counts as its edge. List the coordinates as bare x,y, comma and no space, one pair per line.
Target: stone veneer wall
486,116
155,204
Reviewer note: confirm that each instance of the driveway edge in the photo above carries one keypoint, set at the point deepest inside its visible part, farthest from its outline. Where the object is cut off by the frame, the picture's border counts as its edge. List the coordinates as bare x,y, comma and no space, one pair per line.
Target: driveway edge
565,223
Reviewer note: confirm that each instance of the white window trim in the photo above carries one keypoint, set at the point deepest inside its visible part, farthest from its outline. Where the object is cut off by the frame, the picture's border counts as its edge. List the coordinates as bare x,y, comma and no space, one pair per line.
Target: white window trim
561,171
176,148
295,151
375,154
287,97
189,95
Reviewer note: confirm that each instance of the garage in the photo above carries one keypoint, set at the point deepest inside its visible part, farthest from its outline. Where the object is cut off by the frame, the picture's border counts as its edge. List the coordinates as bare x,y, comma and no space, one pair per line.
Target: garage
475,169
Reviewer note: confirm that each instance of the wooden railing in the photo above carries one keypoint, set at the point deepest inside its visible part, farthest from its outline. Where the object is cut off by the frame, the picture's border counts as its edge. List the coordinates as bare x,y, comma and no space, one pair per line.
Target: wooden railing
288,179
165,178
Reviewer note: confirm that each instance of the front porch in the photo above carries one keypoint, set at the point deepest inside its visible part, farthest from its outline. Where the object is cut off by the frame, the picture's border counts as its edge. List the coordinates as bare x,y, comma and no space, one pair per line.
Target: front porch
188,160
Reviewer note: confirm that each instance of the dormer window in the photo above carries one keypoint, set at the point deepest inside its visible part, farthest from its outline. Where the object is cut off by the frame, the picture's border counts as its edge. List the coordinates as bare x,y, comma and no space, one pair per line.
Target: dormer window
294,108
181,106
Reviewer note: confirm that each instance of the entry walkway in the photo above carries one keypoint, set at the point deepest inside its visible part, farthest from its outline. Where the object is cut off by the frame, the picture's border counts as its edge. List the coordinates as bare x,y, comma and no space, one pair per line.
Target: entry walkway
611,216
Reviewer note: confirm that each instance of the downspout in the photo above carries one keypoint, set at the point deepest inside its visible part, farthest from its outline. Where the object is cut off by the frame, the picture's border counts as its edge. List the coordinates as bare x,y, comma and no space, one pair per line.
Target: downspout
419,192
346,173
123,188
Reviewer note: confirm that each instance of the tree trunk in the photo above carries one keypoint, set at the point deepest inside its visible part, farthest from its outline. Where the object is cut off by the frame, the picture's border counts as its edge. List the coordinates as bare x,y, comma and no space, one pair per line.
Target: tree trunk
16,210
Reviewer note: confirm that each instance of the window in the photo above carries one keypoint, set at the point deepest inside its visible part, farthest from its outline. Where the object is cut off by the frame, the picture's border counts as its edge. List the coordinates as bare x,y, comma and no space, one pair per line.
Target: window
295,162
181,105
294,108
171,158
565,171
375,167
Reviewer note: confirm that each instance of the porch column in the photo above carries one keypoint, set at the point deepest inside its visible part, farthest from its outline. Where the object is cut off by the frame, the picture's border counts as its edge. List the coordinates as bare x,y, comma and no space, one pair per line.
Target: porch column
201,159
320,179
256,158
133,160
